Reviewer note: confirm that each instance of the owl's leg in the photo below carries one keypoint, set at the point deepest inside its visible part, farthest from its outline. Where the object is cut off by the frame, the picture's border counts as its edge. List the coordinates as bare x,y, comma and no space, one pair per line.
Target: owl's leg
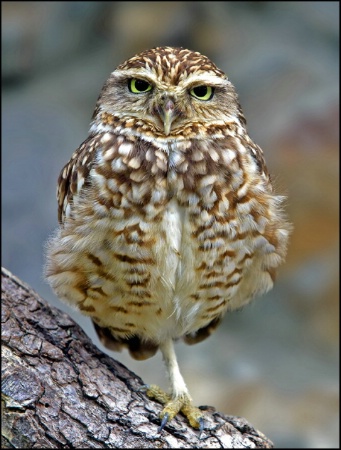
179,400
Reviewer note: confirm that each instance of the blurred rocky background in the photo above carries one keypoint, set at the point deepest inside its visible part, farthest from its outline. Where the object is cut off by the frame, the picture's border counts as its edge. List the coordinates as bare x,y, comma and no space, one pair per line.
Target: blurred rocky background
277,361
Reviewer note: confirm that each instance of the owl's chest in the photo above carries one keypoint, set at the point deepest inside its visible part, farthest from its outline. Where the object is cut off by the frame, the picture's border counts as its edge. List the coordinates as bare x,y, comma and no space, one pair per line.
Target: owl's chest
176,276
168,235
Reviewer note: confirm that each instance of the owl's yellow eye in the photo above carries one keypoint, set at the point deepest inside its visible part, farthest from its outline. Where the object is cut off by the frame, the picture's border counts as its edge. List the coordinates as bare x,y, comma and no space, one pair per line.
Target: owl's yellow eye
139,86
202,92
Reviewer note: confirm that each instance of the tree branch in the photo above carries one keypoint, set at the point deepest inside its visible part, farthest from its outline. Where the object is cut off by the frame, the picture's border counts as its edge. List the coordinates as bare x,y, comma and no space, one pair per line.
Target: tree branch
60,391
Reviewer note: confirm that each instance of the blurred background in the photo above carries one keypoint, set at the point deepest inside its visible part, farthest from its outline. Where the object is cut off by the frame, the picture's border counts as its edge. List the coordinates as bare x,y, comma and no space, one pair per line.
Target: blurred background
276,362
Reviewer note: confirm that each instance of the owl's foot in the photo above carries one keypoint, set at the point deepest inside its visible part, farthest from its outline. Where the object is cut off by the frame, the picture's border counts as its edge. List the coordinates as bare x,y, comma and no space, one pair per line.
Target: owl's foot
175,405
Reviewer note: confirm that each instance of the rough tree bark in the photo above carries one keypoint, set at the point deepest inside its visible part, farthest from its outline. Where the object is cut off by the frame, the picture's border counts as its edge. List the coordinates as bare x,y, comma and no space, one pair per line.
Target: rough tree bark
60,391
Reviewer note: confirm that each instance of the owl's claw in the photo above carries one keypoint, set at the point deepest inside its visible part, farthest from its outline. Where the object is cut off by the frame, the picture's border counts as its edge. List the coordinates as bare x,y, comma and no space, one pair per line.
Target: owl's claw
143,388
172,406
201,426
164,421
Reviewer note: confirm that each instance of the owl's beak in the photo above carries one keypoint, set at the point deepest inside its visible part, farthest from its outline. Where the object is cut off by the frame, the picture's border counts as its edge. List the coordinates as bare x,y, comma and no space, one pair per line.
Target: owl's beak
168,115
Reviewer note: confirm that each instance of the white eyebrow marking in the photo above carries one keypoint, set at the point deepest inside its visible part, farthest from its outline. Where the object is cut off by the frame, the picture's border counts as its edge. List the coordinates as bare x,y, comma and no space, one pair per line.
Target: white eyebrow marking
207,78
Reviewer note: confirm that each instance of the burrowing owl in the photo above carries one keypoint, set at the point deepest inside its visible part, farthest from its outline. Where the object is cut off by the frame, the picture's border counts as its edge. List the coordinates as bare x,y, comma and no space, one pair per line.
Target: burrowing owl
167,213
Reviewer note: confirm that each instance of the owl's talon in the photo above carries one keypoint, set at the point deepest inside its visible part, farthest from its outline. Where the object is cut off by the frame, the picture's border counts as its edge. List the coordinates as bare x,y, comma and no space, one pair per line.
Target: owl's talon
144,388
172,406
164,421
201,426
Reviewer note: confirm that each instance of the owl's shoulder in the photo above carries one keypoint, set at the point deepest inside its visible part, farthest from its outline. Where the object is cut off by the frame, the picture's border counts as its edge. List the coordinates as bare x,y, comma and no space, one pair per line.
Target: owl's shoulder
75,173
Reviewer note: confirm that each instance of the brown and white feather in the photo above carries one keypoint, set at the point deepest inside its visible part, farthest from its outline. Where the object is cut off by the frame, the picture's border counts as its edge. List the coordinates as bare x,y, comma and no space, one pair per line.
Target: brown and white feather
161,234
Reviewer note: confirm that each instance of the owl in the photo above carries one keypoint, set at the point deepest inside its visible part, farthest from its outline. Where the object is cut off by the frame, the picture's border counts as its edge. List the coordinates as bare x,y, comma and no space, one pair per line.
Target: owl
167,214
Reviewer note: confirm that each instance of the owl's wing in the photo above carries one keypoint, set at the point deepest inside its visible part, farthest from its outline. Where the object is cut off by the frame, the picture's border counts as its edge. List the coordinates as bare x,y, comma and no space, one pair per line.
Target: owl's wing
74,175
257,154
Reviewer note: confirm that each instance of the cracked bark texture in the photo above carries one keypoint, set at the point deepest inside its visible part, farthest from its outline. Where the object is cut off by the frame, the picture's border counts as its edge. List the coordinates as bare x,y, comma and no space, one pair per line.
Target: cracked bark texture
60,391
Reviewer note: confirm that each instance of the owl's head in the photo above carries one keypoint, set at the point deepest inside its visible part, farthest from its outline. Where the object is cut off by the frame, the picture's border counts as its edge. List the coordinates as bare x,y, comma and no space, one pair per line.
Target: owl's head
167,92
